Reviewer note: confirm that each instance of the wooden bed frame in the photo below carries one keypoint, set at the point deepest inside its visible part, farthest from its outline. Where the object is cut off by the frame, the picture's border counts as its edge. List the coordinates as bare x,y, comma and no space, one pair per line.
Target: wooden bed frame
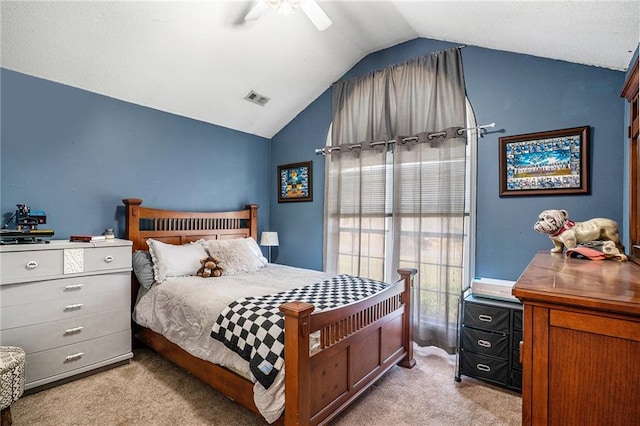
358,342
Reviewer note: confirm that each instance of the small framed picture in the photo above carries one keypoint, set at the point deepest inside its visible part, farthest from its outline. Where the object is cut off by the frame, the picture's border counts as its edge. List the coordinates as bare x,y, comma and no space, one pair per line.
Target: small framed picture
545,163
295,182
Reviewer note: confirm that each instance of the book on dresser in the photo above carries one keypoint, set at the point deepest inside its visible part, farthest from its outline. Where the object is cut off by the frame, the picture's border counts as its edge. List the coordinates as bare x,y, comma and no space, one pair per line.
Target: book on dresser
87,238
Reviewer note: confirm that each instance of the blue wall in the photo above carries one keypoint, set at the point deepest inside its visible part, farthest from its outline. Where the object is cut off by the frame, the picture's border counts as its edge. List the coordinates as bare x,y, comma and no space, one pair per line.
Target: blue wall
299,224
522,94
77,154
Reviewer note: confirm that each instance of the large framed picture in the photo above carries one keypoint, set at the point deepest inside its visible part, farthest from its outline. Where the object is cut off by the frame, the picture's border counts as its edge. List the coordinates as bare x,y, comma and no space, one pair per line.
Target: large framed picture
545,163
294,182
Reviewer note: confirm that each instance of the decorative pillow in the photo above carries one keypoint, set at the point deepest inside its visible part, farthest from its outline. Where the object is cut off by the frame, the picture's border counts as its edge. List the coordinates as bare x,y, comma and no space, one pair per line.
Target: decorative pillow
143,268
171,260
236,256
255,248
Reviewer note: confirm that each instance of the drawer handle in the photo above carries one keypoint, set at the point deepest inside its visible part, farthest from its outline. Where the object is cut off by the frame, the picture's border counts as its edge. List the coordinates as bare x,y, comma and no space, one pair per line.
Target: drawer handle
484,343
108,259
483,367
74,307
32,265
74,357
74,330
485,318
73,287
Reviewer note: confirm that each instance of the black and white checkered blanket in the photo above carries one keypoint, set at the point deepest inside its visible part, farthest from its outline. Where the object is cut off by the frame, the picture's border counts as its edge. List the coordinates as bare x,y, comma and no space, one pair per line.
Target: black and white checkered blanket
253,327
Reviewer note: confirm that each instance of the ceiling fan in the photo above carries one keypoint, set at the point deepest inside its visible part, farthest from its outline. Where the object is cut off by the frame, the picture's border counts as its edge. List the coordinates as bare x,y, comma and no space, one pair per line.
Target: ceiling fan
309,7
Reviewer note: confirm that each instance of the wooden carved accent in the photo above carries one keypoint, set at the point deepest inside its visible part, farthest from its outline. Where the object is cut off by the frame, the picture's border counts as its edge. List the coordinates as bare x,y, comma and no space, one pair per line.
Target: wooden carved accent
630,93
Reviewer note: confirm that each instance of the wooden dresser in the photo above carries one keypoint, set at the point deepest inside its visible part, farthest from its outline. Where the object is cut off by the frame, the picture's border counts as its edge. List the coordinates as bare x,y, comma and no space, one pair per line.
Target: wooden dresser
67,305
581,341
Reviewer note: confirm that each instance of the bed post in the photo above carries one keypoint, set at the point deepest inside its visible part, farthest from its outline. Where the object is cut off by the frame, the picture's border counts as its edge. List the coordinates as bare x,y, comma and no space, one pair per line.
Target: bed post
407,336
132,223
297,385
253,220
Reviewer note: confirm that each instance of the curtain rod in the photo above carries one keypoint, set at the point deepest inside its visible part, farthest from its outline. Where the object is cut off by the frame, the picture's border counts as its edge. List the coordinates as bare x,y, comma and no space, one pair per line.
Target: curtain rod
328,149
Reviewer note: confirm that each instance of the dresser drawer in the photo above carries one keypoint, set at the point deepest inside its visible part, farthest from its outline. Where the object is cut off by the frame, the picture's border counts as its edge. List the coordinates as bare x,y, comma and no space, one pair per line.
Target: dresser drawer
43,364
40,337
486,317
484,367
486,343
107,258
54,310
65,288
27,265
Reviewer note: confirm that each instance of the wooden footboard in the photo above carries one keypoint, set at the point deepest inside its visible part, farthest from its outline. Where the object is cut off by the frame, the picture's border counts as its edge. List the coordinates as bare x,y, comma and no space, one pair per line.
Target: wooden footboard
359,342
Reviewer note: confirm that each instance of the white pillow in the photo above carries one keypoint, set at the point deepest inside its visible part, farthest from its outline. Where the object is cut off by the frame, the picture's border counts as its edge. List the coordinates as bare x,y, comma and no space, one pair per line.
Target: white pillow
255,249
171,260
236,255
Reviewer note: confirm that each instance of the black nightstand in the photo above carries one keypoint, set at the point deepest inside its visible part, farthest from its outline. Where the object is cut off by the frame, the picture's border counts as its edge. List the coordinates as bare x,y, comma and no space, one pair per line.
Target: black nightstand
489,342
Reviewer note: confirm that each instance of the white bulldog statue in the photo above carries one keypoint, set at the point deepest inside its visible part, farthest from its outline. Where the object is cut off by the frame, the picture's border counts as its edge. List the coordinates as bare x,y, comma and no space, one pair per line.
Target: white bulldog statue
566,233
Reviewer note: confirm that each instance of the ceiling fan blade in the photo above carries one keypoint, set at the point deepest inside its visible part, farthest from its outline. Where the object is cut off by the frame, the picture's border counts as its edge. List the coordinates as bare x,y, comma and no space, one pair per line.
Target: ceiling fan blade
256,11
315,14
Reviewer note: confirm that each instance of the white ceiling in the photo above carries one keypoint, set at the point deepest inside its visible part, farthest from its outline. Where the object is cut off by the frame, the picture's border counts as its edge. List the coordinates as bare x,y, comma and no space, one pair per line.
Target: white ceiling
199,59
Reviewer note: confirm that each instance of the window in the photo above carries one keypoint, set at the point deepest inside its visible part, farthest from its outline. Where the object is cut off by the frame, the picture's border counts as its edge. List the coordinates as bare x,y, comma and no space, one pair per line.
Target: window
433,238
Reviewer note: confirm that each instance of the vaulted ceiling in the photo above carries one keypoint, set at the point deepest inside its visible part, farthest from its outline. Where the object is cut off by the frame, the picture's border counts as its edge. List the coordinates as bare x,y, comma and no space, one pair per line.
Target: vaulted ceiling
200,59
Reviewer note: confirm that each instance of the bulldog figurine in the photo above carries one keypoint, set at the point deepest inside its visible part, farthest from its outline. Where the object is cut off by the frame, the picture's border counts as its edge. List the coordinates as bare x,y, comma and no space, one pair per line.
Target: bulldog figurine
566,233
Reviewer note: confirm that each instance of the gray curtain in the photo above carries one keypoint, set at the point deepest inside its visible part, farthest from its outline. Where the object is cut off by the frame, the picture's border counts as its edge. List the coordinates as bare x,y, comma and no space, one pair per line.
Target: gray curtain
390,205
356,179
429,192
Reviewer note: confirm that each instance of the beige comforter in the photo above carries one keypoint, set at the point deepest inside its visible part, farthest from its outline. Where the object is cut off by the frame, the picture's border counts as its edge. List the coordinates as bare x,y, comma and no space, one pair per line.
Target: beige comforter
184,310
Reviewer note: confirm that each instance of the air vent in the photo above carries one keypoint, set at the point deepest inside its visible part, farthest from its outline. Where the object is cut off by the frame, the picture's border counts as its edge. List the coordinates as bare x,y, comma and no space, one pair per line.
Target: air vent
256,98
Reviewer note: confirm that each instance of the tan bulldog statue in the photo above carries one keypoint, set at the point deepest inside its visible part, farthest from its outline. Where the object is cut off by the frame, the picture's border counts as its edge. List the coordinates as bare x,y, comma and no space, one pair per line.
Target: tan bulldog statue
566,233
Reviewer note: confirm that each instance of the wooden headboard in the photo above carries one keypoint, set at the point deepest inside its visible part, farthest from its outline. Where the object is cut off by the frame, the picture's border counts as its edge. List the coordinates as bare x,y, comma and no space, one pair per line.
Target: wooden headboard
179,227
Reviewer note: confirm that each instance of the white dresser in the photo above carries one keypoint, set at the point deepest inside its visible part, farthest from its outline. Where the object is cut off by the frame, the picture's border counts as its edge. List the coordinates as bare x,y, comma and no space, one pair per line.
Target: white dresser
68,305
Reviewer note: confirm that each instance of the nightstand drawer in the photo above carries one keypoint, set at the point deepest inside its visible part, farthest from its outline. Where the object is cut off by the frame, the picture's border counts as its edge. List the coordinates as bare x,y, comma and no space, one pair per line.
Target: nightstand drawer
517,338
484,367
515,355
486,343
65,288
486,317
516,379
49,335
517,320
54,310
43,364
107,258
20,265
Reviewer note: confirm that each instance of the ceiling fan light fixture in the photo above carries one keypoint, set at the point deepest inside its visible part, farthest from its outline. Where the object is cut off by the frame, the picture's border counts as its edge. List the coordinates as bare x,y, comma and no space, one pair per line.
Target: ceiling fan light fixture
287,7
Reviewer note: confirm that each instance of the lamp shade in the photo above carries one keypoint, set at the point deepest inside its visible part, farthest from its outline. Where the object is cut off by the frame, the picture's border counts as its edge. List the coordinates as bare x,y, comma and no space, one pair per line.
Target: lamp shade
269,239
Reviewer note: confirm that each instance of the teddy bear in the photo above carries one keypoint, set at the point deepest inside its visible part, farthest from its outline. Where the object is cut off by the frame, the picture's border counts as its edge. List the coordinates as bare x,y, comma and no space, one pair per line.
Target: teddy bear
210,267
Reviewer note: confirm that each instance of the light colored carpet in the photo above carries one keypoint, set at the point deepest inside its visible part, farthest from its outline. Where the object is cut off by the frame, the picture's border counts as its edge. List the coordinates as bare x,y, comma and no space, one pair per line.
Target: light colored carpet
151,391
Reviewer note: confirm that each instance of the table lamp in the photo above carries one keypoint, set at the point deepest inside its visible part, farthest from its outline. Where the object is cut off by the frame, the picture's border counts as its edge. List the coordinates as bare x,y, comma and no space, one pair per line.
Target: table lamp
269,239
